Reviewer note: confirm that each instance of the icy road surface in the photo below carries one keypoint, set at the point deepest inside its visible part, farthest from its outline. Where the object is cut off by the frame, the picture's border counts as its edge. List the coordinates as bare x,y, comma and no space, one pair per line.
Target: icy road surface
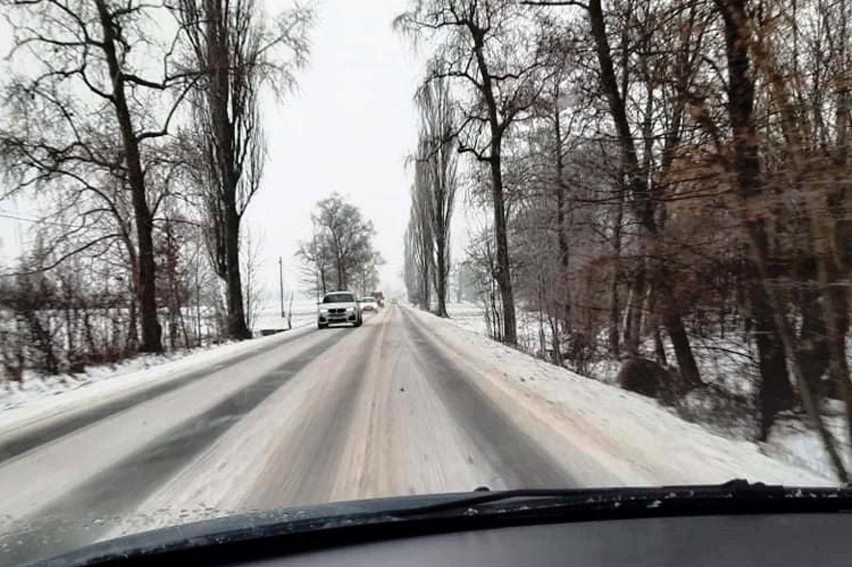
405,404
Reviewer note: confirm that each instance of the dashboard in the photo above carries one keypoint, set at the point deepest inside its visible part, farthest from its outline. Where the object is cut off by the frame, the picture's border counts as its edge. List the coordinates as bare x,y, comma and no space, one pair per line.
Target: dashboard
797,540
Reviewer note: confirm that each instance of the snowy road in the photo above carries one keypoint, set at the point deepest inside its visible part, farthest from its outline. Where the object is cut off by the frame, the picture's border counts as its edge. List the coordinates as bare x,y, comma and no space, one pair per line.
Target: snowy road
327,415
405,404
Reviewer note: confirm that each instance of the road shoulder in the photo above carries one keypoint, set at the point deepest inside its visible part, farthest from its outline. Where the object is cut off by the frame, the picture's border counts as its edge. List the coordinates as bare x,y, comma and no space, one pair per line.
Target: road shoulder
68,407
628,435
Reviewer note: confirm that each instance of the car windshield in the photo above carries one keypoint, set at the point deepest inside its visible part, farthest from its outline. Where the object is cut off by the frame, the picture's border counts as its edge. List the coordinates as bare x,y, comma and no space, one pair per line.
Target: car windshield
339,298
605,244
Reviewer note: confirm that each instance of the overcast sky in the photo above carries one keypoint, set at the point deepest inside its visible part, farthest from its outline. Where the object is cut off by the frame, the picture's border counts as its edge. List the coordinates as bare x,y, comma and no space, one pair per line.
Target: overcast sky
347,129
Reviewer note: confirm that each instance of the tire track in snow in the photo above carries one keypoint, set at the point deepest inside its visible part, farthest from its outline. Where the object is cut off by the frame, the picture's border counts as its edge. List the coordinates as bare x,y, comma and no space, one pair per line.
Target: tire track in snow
306,472
518,458
77,518
32,437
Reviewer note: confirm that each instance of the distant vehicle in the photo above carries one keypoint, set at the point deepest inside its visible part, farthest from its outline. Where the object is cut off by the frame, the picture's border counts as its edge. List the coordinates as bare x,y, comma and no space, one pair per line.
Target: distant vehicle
339,307
368,304
394,301
380,298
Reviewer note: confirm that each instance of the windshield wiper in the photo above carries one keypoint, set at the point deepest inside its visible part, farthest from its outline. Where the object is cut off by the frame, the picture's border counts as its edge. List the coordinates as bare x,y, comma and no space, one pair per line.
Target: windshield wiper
733,496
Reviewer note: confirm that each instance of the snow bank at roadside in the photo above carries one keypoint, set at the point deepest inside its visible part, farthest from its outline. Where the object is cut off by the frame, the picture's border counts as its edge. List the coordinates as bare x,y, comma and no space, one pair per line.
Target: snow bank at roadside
792,441
636,430
40,397
34,389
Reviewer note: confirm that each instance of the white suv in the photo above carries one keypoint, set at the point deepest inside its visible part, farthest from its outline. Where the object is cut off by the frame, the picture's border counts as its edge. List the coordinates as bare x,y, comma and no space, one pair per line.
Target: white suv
339,307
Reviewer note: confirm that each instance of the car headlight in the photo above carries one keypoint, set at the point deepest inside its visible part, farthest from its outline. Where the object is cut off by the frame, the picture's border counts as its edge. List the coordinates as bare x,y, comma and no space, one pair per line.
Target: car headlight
324,310
350,309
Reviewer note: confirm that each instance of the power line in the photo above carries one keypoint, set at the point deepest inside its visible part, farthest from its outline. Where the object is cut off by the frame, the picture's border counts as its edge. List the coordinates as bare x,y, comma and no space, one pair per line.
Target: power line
7,215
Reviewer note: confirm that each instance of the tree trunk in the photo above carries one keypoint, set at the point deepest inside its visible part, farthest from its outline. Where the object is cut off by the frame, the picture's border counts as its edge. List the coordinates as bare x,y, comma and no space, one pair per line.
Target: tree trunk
837,306
564,290
541,339
659,347
237,327
426,289
132,323
441,273
563,297
146,290
636,178
813,342
151,329
683,351
502,272
672,317
774,390
554,341
503,275
615,311
339,268
633,317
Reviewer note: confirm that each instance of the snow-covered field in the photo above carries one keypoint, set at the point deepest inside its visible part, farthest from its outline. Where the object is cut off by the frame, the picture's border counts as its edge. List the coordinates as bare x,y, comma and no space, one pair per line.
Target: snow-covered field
303,312
468,316
471,316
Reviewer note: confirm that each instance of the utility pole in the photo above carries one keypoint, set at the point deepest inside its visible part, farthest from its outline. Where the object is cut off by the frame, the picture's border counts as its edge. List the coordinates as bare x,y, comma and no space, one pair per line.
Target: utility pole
281,282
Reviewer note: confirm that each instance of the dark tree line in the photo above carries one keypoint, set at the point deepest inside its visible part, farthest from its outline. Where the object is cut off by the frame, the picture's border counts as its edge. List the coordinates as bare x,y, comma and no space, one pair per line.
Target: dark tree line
666,179
433,197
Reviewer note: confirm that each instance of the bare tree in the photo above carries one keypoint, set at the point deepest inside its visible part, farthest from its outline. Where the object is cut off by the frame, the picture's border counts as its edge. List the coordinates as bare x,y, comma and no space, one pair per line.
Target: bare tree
485,46
410,272
250,272
341,248
367,275
481,262
419,234
438,153
234,49
84,91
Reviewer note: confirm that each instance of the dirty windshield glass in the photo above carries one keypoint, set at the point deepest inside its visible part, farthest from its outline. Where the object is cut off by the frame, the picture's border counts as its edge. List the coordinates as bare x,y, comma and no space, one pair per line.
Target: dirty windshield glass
597,244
